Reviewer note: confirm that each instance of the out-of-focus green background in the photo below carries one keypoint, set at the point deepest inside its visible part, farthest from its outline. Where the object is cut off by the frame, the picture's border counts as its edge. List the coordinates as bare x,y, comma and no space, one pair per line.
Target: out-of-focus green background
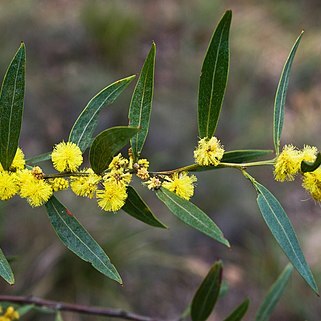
74,49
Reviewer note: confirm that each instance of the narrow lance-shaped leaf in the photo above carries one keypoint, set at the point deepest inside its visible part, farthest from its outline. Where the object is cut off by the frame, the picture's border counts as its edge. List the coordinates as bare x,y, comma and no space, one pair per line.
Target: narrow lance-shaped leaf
78,240
282,229
5,269
191,215
84,127
213,78
239,312
107,144
280,96
141,103
39,158
137,208
274,294
206,296
310,167
11,107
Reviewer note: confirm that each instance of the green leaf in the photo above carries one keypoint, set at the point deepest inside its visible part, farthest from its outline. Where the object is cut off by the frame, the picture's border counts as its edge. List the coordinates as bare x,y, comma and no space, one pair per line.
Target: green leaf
274,294
78,240
137,208
239,312
11,107
236,157
107,144
141,103
25,309
206,296
5,269
213,78
280,96
58,316
84,127
282,229
310,167
39,158
191,215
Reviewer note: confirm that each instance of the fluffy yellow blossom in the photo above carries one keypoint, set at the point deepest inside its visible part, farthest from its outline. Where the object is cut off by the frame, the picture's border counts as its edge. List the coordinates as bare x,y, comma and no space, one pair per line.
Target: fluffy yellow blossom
18,162
113,197
36,191
312,183
10,315
181,184
309,153
118,162
85,186
208,152
8,185
66,157
287,164
58,184
154,183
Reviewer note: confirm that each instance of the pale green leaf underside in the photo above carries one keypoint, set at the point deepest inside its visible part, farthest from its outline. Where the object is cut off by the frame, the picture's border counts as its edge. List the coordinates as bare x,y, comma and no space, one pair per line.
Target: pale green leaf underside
11,107
266,308
213,78
191,215
141,103
78,240
280,97
282,229
5,269
83,129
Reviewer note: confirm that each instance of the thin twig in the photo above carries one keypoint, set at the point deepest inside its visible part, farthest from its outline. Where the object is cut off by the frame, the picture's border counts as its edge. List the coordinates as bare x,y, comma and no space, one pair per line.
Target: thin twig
62,306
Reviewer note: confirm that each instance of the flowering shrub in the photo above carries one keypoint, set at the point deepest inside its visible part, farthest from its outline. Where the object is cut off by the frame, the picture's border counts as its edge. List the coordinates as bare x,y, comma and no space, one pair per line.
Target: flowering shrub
109,177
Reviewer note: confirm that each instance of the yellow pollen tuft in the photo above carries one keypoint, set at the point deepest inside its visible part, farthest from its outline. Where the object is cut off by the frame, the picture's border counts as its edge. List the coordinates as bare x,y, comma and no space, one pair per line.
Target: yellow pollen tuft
85,186
66,157
118,162
18,162
36,191
208,152
287,164
8,185
312,183
113,197
181,184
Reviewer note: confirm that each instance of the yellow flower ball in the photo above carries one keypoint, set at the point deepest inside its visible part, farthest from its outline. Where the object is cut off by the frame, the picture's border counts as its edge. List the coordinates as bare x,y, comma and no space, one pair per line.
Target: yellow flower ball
312,183
181,184
36,191
208,152
113,197
18,162
287,164
8,185
66,157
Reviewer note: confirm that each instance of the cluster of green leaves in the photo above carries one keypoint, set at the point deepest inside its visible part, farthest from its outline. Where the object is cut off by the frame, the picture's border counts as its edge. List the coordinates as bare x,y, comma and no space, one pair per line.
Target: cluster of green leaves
105,145
211,290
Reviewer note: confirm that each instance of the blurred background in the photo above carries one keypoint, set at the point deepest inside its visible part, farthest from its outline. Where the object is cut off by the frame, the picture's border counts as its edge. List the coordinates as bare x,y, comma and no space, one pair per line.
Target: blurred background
76,48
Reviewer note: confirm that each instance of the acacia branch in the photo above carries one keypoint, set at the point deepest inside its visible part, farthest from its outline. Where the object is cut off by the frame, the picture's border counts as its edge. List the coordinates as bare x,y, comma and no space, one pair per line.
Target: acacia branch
83,309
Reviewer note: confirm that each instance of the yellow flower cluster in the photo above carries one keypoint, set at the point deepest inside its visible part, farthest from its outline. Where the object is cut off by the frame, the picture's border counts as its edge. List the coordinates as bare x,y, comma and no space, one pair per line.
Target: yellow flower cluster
10,315
208,152
181,184
288,165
